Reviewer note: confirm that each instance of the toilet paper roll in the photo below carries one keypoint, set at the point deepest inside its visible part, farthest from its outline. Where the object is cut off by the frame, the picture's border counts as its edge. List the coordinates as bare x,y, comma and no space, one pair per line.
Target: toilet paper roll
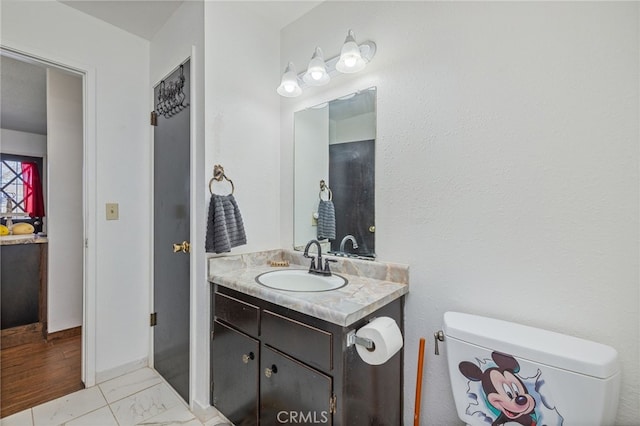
386,337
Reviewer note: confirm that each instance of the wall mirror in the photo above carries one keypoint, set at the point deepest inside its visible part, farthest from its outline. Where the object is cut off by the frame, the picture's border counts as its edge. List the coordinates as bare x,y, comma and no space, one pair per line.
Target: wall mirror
334,175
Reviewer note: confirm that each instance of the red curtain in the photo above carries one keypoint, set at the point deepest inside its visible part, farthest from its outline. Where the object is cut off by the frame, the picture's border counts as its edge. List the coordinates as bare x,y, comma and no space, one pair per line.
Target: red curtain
33,197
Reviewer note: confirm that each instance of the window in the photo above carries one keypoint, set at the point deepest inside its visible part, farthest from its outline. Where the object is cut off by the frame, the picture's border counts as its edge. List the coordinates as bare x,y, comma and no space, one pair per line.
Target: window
18,186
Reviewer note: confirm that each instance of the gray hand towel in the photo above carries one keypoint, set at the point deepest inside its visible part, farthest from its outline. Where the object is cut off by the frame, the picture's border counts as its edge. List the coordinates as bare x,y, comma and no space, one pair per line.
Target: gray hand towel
225,228
326,220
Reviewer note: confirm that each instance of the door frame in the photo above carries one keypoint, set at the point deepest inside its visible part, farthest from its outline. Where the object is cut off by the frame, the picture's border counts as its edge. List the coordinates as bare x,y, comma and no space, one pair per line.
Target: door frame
89,190
197,242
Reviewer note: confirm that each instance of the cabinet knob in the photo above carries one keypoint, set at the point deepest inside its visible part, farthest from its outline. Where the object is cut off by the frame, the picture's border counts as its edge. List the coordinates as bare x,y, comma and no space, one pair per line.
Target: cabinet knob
269,371
247,357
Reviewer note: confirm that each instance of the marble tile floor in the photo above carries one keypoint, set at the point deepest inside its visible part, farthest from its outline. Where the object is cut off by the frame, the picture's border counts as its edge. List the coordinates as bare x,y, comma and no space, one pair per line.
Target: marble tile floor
142,397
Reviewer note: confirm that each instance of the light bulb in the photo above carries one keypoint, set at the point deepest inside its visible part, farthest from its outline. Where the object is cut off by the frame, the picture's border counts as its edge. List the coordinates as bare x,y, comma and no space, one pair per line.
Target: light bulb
350,61
289,86
350,57
316,74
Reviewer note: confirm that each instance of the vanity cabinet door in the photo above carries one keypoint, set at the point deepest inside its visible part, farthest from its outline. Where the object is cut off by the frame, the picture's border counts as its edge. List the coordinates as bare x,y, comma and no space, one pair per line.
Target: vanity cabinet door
292,392
234,366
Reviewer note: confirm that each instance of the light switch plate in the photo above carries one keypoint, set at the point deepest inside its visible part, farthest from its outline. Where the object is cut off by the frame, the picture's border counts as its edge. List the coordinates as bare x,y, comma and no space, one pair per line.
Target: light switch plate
112,211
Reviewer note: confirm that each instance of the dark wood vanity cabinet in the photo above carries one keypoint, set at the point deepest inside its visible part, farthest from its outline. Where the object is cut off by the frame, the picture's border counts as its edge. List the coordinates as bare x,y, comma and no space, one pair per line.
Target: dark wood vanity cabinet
271,365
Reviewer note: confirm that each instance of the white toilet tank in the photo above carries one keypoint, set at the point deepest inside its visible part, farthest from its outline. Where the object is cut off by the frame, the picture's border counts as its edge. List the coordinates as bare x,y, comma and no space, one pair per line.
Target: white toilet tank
509,374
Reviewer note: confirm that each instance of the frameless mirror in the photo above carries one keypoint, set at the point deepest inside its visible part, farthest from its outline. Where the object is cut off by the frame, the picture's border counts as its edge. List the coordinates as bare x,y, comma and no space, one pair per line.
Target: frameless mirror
334,175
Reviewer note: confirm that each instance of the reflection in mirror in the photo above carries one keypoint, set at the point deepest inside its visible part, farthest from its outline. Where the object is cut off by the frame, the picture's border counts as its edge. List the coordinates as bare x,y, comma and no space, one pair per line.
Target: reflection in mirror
334,172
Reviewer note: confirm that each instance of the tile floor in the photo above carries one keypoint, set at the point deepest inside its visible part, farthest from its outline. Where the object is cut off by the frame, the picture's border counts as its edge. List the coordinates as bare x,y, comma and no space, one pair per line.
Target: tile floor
138,398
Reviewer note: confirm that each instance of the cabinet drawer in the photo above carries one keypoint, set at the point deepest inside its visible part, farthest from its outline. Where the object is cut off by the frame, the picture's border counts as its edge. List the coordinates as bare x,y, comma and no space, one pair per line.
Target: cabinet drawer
241,315
304,342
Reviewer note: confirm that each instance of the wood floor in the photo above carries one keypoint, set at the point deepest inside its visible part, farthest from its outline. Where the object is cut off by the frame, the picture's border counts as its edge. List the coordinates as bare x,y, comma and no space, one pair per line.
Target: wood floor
34,373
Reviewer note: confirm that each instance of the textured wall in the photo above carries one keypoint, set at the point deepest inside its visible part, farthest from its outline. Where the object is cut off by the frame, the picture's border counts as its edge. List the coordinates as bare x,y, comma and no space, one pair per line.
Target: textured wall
507,166
242,116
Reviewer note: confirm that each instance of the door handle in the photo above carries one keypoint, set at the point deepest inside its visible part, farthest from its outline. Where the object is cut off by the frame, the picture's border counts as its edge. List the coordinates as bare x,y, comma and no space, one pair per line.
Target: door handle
184,247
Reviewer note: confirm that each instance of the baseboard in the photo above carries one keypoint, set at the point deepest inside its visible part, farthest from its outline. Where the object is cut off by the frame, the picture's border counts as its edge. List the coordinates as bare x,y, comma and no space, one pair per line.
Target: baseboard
63,334
21,335
112,373
204,413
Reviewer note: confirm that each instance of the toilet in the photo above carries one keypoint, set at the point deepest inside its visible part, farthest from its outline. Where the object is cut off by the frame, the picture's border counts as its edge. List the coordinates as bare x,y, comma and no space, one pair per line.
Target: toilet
504,373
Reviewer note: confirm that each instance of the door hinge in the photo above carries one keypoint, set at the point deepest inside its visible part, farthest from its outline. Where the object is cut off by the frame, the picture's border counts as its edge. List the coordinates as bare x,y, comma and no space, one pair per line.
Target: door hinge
154,118
211,334
333,402
86,243
153,319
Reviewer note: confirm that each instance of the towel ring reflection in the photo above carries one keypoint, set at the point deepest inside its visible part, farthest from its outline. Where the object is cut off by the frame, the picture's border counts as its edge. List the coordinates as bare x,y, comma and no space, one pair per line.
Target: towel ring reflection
218,175
324,187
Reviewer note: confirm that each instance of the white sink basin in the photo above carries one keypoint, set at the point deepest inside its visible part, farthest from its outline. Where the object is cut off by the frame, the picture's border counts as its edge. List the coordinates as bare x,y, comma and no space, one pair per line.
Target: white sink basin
300,280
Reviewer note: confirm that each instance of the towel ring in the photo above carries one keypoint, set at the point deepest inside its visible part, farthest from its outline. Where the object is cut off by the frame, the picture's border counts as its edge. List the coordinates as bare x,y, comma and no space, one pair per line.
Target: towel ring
218,174
323,187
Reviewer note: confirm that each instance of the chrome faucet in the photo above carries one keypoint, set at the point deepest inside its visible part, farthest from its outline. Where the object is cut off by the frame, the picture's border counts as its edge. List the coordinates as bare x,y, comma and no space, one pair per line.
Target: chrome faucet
351,238
316,268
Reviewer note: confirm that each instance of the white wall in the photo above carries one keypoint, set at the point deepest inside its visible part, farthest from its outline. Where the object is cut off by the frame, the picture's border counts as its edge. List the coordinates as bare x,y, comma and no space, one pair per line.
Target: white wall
242,123
64,216
242,117
357,128
311,150
23,143
118,171
507,160
170,47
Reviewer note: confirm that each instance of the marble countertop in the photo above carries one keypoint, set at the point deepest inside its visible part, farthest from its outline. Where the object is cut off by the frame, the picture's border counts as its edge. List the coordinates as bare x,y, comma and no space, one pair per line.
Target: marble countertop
9,240
371,285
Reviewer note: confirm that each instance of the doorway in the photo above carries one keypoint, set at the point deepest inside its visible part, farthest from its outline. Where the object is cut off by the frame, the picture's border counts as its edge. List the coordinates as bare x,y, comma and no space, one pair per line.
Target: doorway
53,136
171,224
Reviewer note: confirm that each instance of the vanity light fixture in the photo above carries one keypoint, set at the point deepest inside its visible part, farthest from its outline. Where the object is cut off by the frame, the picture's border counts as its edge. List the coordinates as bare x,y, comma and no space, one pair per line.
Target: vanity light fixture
316,74
289,86
353,58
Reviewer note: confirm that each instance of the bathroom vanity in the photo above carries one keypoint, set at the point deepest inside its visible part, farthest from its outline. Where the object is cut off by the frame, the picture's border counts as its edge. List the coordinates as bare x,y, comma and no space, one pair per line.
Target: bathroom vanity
285,357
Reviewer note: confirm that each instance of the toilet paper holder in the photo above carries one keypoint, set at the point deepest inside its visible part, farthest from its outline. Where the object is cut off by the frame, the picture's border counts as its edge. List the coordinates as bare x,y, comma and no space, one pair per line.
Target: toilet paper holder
352,339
